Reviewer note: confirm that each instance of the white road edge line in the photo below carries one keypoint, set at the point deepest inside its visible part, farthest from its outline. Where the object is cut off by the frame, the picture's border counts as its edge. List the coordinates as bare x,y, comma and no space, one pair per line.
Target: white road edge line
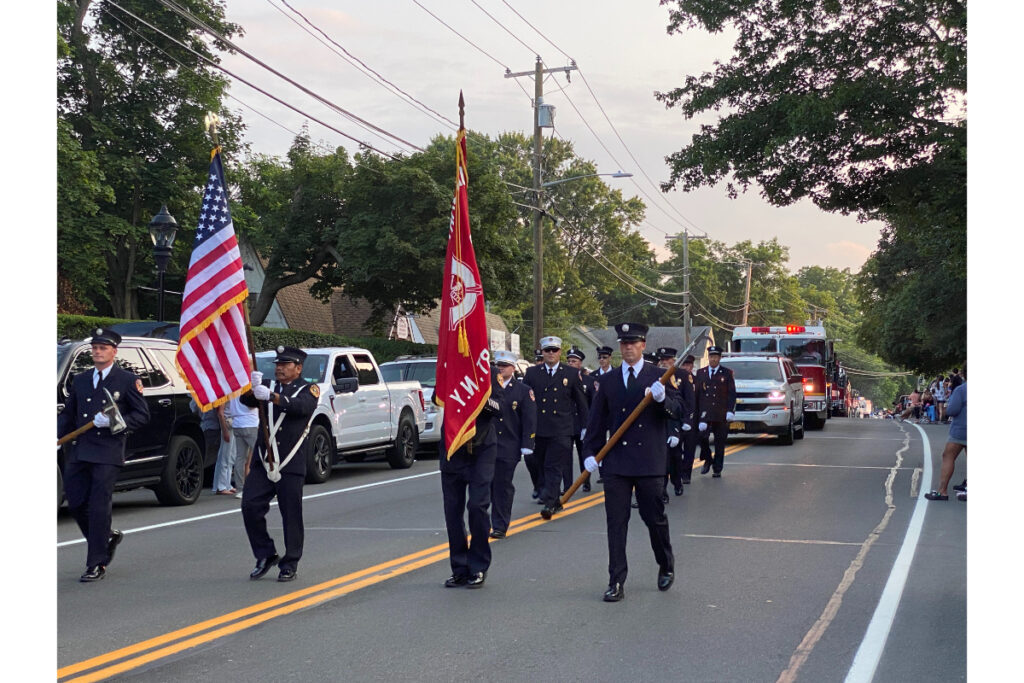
865,662
235,511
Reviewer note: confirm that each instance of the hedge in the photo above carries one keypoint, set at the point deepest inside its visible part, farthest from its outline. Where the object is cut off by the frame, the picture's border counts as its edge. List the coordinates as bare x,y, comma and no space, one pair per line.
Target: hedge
266,338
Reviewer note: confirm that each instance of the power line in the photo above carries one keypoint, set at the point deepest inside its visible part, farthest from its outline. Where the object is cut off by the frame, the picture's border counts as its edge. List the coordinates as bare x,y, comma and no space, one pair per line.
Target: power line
505,28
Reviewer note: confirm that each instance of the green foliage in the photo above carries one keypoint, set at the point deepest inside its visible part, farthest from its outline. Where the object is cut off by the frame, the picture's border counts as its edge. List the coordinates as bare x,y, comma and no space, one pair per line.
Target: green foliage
267,338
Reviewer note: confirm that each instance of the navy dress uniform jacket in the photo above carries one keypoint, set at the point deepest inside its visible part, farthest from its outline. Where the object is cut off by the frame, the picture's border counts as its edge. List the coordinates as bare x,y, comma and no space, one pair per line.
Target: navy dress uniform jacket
558,398
98,445
580,419
642,449
716,395
517,425
297,406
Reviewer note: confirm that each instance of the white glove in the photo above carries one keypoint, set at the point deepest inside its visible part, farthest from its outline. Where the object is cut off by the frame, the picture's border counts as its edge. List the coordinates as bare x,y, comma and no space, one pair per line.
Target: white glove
526,451
703,426
101,420
686,427
729,417
673,441
591,464
256,377
657,391
261,392
583,434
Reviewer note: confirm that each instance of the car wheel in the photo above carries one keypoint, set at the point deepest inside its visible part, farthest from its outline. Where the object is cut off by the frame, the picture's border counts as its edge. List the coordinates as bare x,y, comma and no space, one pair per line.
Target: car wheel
403,453
182,479
800,429
321,455
786,437
60,487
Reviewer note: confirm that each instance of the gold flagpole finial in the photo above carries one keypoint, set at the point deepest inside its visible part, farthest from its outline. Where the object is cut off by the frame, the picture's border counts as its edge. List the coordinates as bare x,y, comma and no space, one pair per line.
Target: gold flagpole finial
210,123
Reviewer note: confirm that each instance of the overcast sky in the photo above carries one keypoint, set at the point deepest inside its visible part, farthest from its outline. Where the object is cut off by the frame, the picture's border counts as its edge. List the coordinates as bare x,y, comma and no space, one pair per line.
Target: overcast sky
621,48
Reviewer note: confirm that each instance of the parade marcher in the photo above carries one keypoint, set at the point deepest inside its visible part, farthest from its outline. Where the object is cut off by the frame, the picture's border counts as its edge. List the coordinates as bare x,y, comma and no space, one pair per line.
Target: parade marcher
688,424
604,360
579,424
716,401
637,461
559,392
94,459
471,470
289,401
515,428
538,357
682,389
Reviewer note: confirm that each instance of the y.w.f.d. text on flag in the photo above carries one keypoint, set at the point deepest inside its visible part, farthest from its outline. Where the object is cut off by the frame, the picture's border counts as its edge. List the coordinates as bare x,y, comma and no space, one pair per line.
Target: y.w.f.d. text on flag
213,354
463,356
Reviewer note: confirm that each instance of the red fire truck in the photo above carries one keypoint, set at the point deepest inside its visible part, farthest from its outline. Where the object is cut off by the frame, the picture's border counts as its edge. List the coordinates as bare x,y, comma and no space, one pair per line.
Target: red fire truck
811,351
843,400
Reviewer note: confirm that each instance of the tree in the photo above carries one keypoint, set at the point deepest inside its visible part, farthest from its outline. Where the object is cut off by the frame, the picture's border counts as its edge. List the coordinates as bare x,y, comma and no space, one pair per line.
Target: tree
136,102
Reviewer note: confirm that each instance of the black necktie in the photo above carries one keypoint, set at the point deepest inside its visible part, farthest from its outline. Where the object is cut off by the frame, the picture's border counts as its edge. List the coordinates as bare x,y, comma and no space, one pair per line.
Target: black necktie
631,380
99,380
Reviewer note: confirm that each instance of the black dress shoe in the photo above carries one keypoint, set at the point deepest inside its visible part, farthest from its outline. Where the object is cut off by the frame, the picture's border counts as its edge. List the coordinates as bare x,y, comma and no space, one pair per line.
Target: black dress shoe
686,480
477,580
614,593
115,539
93,574
665,579
716,475
706,467
454,581
664,498
287,574
600,480
262,567
497,534
535,494
586,487
679,490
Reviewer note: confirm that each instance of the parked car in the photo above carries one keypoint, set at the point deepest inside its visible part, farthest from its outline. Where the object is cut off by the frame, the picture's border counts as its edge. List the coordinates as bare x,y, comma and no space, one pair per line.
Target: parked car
422,369
769,395
168,454
359,413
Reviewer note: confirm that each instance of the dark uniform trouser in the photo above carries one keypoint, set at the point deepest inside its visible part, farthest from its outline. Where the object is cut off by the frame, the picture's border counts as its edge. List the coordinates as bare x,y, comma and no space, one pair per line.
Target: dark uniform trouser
475,473
689,444
579,457
502,493
256,496
618,491
89,487
721,432
556,454
535,466
675,463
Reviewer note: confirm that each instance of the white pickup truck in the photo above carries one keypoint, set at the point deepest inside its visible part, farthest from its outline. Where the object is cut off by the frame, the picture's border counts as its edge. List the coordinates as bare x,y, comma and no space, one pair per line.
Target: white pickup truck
359,414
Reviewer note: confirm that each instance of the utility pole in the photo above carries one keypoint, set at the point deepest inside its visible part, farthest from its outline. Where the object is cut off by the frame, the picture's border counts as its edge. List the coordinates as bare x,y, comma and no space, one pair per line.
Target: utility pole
538,211
746,298
686,282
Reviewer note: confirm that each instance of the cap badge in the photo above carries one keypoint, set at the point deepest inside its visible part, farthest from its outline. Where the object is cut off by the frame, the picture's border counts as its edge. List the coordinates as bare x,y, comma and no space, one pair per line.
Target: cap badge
625,327
280,349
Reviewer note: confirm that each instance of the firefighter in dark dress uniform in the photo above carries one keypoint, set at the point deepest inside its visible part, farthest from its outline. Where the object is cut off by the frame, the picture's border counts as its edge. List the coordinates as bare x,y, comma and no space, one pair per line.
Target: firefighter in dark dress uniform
604,361
516,427
559,392
576,357
688,424
683,392
470,471
95,458
716,401
289,402
637,461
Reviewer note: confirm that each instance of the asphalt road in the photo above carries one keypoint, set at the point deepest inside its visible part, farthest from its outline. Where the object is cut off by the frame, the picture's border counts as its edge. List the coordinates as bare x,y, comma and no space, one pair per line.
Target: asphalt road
789,567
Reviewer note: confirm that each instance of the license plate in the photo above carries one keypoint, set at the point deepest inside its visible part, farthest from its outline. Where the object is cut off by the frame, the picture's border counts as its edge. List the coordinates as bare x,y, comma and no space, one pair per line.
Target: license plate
736,425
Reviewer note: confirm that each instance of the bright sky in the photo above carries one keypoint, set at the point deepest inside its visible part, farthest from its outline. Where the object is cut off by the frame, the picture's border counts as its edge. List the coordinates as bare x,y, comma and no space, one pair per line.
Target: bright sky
621,48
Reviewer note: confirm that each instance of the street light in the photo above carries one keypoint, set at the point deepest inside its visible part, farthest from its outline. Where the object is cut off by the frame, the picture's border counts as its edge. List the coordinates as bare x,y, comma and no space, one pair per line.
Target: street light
617,174
162,230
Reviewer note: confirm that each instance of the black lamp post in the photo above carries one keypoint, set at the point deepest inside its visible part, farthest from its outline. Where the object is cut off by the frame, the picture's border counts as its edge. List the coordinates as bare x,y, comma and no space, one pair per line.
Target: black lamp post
162,230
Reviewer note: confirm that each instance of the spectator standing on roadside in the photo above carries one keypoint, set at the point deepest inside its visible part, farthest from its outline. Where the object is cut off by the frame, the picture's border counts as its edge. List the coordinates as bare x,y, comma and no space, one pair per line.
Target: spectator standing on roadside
939,394
957,441
956,379
239,428
210,424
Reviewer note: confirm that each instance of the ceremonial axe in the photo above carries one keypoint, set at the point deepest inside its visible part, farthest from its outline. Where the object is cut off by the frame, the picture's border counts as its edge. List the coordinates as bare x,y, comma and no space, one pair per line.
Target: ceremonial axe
117,423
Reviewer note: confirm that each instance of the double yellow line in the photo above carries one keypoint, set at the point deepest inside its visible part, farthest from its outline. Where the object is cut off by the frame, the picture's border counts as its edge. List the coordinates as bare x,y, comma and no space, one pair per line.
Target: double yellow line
142,653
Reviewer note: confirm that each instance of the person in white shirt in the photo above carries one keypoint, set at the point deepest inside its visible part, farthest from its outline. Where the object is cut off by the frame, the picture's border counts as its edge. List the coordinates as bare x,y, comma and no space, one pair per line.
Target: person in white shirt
239,427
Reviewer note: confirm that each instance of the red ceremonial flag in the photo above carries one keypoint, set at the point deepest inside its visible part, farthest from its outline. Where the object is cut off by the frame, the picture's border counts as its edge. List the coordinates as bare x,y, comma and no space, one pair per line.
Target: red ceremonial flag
463,353
213,356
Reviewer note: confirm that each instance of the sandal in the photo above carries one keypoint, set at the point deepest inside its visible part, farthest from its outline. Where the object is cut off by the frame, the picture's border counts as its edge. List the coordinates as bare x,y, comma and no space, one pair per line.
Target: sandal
935,495
226,492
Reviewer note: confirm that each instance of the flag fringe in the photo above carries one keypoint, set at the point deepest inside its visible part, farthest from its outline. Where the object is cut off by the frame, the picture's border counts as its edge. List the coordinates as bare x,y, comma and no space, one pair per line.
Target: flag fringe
194,332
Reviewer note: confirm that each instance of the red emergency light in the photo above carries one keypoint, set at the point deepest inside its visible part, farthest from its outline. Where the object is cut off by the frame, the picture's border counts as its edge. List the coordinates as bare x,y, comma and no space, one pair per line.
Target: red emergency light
795,329
760,330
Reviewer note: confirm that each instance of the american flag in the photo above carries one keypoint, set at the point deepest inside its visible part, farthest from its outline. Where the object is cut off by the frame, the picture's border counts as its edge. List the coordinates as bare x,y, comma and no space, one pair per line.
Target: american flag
213,355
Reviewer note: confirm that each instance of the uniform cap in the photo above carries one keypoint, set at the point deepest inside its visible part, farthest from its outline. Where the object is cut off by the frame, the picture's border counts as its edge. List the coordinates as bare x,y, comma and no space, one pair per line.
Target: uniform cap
604,350
631,332
502,357
714,350
689,359
290,354
104,336
666,352
576,353
537,355
551,343
651,357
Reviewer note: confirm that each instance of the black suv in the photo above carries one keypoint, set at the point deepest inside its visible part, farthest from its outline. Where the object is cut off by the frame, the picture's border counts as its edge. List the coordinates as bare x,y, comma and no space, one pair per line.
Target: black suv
167,455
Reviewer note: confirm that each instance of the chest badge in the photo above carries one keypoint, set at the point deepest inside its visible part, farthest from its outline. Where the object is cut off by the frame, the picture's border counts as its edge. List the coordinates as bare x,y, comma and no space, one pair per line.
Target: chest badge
565,382
515,404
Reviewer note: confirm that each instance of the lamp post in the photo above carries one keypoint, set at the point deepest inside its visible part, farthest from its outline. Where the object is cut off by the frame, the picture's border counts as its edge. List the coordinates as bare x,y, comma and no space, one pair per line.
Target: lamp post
162,229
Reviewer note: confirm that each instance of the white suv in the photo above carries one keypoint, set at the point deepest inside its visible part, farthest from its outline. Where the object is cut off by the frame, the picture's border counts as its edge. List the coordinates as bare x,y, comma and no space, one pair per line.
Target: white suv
424,370
769,395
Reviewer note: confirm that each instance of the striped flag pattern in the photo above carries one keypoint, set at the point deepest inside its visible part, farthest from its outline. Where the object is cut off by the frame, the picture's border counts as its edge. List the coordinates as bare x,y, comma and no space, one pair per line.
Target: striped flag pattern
213,355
